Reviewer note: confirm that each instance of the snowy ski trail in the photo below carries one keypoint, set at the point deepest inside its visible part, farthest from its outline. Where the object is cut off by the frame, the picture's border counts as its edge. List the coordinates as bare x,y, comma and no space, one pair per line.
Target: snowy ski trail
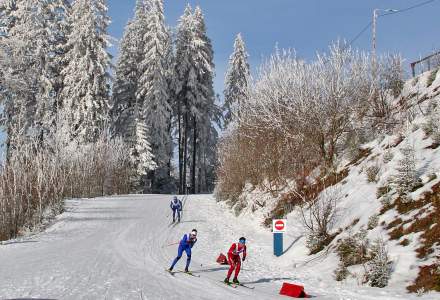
108,248
115,248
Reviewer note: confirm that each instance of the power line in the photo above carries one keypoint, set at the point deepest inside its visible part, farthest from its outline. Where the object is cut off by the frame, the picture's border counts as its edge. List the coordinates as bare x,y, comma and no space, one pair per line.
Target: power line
408,8
387,14
360,33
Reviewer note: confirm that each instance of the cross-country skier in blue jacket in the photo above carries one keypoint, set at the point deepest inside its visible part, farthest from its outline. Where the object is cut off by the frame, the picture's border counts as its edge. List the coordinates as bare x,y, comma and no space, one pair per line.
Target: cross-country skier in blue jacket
176,206
186,245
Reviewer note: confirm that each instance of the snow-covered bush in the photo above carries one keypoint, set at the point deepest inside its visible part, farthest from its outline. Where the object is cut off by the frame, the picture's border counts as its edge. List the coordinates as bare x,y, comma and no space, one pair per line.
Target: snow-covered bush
432,126
372,173
379,268
392,73
318,217
383,190
353,250
294,108
432,77
38,178
406,177
341,272
388,156
386,200
373,221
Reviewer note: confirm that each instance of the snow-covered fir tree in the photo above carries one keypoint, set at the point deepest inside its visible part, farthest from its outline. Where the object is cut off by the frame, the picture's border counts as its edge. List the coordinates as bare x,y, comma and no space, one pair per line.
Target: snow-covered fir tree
195,98
182,67
237,81
141,155
48,101
379,268
31,41
86,78
125,83
207,112
406,177
7,18
152,92
125,107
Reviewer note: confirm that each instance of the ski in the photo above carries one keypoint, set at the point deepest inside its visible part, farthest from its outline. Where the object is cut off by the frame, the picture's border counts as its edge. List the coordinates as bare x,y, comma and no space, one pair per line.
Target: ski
245,286
233,285
170,272
187,273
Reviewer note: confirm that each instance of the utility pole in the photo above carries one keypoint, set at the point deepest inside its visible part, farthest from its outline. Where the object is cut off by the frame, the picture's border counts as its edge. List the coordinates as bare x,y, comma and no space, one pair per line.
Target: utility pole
373,42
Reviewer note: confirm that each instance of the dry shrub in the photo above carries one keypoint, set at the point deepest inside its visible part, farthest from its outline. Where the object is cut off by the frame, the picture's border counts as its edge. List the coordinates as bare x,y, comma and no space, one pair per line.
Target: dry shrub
353,250
428,279
373,221
372,173
257,156
304,192
37,179
318,217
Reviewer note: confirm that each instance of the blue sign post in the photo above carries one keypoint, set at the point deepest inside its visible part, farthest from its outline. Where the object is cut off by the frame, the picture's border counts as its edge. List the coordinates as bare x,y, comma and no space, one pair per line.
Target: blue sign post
278,228
278,244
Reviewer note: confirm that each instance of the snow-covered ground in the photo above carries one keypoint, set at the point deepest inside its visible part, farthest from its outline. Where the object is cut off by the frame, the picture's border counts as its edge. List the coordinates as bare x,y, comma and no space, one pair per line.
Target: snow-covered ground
115,248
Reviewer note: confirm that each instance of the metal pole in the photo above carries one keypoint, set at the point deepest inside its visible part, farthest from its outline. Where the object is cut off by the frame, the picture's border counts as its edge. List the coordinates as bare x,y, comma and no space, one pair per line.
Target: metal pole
278,244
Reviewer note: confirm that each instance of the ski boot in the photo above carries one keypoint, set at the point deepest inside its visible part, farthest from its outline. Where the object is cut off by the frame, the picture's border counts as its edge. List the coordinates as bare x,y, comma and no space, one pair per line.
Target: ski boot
227,280
235,280
187,271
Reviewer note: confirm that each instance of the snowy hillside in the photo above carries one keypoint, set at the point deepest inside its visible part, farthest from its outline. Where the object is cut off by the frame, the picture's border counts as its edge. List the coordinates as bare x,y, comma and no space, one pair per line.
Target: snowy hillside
369,204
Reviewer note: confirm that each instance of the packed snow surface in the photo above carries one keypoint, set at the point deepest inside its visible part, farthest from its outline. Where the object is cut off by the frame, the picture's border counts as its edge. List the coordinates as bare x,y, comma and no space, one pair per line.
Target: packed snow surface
116,248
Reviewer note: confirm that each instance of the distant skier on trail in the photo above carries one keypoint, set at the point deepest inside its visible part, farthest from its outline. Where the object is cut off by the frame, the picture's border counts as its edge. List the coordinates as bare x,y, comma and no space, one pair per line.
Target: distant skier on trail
176,206
186,245
234,259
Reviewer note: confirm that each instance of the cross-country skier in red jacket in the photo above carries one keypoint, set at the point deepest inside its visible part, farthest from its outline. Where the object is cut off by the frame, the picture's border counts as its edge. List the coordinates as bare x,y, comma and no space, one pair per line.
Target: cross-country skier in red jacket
234,259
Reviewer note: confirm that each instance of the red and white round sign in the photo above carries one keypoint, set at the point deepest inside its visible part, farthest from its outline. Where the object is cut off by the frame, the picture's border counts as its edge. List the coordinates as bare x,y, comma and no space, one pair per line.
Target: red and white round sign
279,225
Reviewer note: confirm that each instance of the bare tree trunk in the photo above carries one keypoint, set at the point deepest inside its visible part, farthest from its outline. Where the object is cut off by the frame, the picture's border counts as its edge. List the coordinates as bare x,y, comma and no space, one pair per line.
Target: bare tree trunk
179,116
185,152
193,177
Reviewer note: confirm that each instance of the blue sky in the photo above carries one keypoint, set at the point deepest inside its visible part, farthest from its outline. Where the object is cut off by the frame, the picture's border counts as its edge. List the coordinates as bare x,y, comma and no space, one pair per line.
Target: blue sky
306,25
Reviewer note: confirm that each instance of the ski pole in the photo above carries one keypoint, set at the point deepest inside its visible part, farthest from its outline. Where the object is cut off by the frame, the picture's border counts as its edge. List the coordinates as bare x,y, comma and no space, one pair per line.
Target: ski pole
170,244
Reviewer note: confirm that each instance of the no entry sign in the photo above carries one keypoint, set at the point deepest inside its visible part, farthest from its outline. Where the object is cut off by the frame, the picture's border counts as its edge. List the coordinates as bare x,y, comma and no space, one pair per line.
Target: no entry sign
279,225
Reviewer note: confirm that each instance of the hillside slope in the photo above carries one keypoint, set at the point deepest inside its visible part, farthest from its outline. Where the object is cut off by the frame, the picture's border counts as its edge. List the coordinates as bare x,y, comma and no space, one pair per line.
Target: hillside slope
369,206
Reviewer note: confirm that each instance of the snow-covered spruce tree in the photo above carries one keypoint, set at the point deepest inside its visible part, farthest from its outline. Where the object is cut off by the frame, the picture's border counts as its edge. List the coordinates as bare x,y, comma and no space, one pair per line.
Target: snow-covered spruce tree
182,69
125,107
194,103
432,126
29,75
152,92
125,83
141,156
379,268
7,18
406,177
237,81
86,79
203,110
48,99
